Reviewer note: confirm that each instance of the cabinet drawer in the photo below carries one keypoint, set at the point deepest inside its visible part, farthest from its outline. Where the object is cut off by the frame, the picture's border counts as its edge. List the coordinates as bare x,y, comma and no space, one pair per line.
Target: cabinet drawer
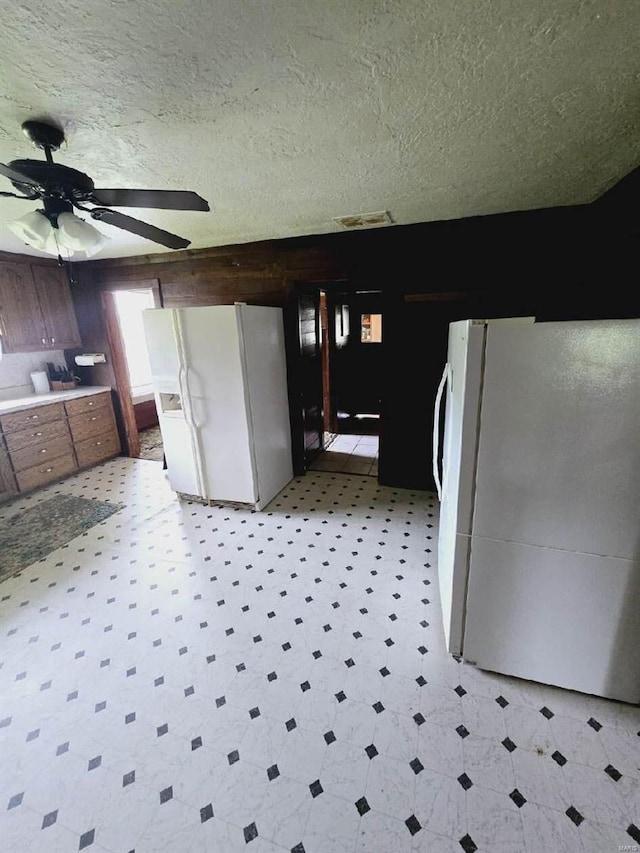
86,426
40,453
98,448
37,435
32,417
87,405
45,473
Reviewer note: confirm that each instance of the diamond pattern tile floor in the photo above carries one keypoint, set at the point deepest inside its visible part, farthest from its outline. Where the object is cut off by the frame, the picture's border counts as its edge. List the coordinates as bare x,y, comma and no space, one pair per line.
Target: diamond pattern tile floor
188,678
349,454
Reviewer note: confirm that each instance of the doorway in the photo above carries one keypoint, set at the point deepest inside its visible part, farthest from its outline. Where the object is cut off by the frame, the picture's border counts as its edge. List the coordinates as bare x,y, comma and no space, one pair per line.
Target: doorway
335,348
417,331
124,307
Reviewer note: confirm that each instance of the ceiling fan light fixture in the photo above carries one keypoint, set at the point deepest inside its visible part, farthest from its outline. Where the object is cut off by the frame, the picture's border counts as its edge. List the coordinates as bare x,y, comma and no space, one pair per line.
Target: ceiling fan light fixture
76,235
62,188
72,233
34,229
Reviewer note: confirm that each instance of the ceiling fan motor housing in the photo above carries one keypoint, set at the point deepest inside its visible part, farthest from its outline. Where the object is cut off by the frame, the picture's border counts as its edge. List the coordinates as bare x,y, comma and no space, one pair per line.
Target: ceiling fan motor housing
54,179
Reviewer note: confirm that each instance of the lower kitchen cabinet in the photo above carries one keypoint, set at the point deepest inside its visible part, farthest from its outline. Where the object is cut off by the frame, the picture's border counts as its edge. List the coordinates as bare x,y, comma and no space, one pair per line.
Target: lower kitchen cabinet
40,475
93,428
96,449
43,443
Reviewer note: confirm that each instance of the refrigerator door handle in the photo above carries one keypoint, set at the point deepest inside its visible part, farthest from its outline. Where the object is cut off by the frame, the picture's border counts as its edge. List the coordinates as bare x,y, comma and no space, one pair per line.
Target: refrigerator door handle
183,391
193,422
183,379
446,374
183,373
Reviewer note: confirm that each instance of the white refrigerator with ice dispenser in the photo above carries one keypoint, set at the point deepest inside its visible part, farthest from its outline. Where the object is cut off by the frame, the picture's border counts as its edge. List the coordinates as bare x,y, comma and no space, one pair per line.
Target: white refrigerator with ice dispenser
220,383
539,481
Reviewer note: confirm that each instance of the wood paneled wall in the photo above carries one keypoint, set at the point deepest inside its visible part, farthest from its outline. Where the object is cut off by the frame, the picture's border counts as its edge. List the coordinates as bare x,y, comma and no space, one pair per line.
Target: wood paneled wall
255,273
574,262
538,260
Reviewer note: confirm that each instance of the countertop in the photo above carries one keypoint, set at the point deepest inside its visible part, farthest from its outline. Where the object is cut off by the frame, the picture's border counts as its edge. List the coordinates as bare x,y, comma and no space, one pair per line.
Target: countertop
9,406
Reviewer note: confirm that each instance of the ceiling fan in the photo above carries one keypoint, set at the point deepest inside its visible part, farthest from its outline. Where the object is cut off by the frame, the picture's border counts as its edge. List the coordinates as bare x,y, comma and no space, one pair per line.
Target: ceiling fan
61,189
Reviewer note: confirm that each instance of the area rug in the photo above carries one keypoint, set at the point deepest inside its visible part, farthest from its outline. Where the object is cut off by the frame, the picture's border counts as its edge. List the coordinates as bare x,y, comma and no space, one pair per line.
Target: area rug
30,535
151,444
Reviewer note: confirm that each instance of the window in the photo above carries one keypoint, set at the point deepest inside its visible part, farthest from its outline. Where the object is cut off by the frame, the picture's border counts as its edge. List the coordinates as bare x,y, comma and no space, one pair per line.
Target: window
371,328
129,305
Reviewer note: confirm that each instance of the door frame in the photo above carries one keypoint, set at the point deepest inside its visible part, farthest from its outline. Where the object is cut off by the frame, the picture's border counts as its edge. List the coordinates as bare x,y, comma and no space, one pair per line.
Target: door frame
292,341
327,349
118,358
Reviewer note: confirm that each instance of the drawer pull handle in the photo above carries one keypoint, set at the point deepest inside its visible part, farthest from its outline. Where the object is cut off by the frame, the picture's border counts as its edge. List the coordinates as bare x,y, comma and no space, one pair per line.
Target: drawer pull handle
94,418
98,443
34,434
33,417
47,470
91,403
44,450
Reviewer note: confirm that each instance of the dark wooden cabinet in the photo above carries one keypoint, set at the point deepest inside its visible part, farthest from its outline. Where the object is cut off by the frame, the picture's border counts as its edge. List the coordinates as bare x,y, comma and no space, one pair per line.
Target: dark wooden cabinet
43,443
36,311
61,328
21,321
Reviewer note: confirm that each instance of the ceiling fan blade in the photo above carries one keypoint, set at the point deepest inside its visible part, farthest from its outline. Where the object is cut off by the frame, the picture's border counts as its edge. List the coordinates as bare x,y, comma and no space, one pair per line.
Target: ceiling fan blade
142,229
17,177
161,199
15,195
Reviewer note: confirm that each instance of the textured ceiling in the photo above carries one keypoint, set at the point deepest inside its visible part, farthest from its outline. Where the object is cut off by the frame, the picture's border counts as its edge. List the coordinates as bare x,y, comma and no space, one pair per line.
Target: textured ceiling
286,113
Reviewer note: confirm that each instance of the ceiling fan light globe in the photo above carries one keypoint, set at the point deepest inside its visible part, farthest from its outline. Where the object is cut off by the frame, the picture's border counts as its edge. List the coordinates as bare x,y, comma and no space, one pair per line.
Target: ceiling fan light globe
89,253
34,229
76,235
51,246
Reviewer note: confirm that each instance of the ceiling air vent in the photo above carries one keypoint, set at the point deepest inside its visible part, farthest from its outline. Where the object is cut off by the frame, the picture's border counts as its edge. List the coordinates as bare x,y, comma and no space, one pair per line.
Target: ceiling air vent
364,220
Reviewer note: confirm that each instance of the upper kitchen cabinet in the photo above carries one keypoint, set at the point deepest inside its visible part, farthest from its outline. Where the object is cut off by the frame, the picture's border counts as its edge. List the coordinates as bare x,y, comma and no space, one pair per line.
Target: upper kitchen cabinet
21,320
61,328
36,312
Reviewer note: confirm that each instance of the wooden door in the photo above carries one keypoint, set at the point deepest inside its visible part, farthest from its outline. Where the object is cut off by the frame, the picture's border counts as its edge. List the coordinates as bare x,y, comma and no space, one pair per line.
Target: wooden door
61,327
310,373
21,321
327,349
304,375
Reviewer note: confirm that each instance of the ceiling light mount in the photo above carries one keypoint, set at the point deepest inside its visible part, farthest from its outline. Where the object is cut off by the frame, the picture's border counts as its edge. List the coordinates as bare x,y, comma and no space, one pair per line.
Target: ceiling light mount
43,134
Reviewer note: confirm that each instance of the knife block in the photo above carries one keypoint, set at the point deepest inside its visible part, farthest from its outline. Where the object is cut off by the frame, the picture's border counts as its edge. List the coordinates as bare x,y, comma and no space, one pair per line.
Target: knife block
62,386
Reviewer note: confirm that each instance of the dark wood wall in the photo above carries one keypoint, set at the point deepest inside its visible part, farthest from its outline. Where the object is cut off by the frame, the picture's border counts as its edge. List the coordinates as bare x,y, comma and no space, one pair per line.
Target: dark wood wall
252,272
574,262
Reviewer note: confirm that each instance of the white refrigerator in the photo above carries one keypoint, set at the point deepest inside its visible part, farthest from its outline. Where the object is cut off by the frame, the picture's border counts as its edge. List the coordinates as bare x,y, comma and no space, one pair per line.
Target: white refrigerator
220,383
539,542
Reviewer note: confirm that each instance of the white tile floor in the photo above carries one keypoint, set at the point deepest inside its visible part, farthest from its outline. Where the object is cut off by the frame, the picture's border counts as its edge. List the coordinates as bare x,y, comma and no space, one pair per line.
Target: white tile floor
350,454
187,679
